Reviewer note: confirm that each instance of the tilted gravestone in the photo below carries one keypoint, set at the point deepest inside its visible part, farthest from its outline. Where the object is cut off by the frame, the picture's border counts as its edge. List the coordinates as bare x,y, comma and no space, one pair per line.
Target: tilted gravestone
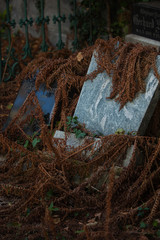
45,97
103,116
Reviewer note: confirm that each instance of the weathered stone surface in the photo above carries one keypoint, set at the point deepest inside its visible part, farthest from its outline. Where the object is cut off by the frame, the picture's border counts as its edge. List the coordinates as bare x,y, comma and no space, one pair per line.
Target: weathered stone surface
133,38
73,142
103,116
128,157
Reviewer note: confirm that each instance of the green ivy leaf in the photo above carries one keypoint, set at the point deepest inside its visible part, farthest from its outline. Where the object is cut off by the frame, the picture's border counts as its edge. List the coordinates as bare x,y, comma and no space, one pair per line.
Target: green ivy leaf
55,209
49,194
79,231
75,120
26,143
28,212
81,135
120,131
35,141
143,225
69,120
52,208
146,208
155,223
9,106
36,133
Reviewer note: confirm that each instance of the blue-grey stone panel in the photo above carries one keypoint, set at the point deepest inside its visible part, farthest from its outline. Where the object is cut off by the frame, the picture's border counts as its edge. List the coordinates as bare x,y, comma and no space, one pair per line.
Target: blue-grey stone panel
46,99
103,116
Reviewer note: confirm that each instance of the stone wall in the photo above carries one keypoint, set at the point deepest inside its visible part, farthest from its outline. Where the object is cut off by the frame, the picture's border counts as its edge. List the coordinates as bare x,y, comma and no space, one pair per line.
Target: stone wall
17,12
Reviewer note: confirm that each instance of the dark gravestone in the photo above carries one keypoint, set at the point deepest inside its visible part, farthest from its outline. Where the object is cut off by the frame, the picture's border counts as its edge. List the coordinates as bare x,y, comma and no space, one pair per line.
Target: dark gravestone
45,97
146,20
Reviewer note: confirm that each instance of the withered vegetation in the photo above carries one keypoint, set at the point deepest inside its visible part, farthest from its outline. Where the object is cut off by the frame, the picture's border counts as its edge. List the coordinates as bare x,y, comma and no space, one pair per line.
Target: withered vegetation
47,192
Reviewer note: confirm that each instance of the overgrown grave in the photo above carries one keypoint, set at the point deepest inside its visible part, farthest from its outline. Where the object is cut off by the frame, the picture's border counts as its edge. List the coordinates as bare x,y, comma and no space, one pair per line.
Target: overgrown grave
104,111
103,114
27,117
47,200
96,104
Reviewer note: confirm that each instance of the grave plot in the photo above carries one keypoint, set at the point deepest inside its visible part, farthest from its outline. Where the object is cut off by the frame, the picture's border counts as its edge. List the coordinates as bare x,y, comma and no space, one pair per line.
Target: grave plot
68,195
104,116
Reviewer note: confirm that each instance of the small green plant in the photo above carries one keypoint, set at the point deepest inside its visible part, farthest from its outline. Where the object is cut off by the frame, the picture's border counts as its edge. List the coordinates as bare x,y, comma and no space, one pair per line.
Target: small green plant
34,141
49,194
143,225
72,122
120,131
79,133
9,106
132,133
142,211
28,212
80,231
74,126
26,144
51,208
155,223
156,226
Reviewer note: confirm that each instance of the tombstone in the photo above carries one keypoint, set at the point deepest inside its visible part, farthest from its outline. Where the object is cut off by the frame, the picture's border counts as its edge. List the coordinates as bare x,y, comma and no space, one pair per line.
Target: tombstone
73,142
45,97
146,20
103,116
145,24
